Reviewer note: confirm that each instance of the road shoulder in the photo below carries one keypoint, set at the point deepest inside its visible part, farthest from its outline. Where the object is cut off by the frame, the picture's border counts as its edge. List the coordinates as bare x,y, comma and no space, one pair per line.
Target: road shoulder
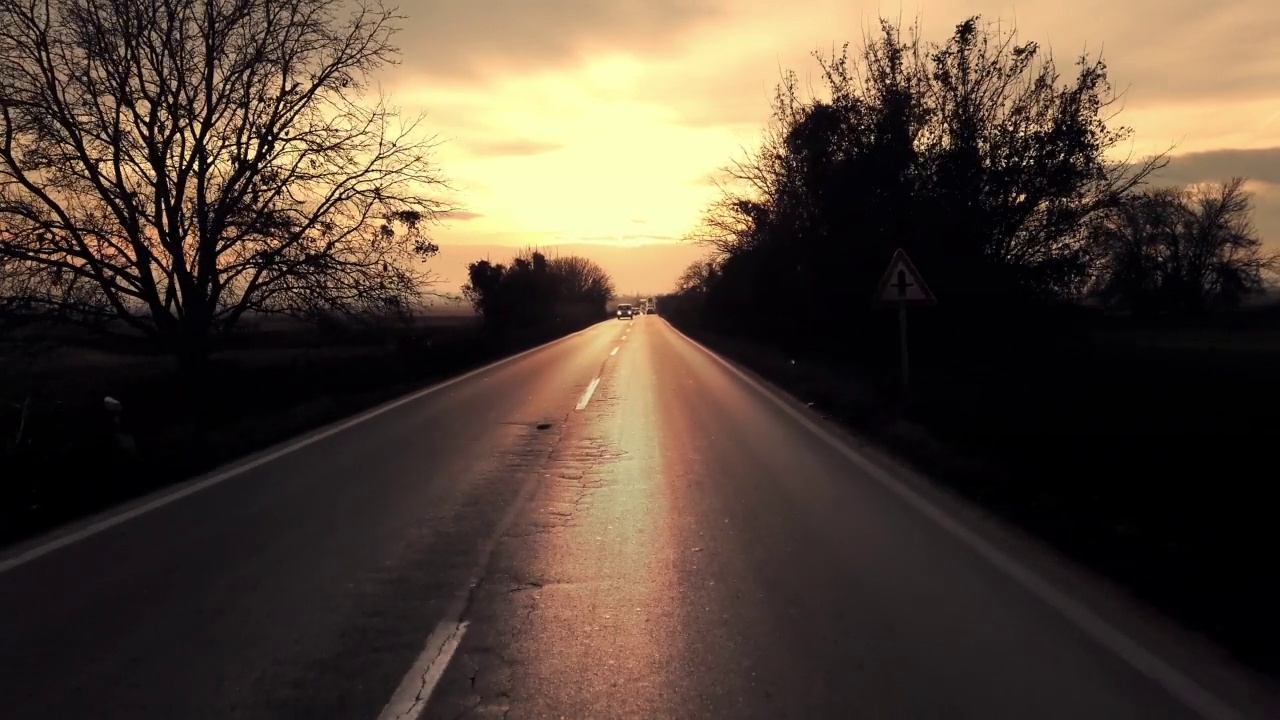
1191,654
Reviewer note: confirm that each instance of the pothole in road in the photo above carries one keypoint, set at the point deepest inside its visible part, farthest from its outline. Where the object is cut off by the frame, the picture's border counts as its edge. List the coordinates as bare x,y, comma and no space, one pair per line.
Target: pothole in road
527,423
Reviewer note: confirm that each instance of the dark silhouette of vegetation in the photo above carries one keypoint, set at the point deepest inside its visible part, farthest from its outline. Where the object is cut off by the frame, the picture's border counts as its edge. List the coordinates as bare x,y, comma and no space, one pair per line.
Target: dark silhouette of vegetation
582,283
698,278
1182,251
1091,359
533,291
167,167
973,155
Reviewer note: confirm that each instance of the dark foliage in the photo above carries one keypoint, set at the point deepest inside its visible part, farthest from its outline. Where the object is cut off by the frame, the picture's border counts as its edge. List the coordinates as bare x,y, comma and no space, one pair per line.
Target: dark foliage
989,168
1181,251
533,291
975,156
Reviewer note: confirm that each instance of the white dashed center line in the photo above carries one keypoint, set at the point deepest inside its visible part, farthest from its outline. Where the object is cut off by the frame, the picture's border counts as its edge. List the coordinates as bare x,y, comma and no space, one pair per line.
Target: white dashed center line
586,396
615,352
410,700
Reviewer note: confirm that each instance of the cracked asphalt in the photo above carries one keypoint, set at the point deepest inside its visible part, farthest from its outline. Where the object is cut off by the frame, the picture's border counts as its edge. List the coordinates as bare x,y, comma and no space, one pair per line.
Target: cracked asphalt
681,547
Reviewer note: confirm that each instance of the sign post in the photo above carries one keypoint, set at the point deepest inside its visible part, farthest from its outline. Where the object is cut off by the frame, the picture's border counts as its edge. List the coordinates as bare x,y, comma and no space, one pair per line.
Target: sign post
902,347
903,287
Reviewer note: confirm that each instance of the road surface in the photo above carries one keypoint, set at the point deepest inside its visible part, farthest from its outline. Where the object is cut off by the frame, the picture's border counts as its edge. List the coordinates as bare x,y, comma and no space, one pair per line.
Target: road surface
618,524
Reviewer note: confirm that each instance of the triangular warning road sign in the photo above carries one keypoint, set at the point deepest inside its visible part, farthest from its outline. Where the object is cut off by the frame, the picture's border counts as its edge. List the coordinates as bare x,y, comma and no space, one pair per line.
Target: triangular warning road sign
902,284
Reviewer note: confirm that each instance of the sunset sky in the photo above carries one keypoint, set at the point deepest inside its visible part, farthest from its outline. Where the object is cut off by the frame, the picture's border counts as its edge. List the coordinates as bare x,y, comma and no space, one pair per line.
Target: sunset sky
572,122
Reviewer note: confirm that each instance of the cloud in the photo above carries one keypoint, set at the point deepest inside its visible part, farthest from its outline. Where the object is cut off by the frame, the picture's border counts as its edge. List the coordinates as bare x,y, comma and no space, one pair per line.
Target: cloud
727,79
627,238
466,40
1189,50
510,148
567,120
460,215
700,93
1261,165
1161,50
1266,214
655,238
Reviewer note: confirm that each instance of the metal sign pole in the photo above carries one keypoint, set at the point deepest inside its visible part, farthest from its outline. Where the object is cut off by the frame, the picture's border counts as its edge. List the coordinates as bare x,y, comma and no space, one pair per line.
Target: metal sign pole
902,346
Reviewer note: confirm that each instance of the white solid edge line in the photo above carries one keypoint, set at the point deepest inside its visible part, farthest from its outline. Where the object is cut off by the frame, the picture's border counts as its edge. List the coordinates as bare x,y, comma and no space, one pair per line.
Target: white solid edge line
615,352
586,396
1177,684
223,475
410,699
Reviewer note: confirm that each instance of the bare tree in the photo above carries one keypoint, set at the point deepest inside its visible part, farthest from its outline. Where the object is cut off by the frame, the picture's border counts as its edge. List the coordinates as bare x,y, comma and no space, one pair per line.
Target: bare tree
731,224
175,164
698,277
753,187
1182,250
581,280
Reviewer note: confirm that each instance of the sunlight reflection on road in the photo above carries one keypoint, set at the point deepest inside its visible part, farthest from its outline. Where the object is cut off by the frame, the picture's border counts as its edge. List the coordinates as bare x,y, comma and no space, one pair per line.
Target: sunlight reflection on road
608,603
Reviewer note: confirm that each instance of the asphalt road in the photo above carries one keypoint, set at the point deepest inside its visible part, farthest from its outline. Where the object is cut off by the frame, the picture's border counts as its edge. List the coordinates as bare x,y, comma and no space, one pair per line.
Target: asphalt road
618,524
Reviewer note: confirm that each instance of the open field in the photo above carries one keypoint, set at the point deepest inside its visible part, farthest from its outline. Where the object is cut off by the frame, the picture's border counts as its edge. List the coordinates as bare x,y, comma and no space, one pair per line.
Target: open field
275,381
1144,452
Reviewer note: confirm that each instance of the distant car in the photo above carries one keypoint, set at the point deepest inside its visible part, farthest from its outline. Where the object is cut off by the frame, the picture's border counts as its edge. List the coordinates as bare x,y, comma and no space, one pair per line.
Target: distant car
625,311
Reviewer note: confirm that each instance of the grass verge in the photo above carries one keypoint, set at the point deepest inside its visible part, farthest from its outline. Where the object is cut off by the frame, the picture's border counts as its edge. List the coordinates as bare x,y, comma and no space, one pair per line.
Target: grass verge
62,458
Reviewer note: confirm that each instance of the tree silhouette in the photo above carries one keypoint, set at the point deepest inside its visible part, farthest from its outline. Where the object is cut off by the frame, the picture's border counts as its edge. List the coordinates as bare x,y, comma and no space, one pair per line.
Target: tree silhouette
698,278
975,155
1182,250
581,281
532,291
175,164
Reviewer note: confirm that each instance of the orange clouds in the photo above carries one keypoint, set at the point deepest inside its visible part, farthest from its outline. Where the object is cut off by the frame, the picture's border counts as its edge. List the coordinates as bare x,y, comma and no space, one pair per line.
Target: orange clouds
565,120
